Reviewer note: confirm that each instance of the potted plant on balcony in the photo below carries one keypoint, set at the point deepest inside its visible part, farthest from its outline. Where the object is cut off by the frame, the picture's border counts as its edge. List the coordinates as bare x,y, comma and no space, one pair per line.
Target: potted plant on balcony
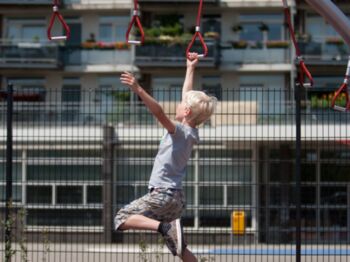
334,40
277,44
240,44
237,28
264,27
302,37
212,34
105,45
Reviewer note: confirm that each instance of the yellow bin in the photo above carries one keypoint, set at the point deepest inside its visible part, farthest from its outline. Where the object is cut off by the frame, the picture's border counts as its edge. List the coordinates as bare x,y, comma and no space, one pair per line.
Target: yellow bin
238,222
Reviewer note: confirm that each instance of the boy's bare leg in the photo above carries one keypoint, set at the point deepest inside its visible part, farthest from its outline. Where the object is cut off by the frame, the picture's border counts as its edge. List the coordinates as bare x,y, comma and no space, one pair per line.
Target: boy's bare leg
145,223
187,256
140,222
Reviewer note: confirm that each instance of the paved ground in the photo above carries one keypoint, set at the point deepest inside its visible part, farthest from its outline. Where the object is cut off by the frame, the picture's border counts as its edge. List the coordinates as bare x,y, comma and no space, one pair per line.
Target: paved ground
121,253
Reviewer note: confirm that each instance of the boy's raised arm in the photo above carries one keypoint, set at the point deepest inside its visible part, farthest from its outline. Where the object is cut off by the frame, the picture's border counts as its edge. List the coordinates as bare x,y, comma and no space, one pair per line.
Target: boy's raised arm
155,108
192,61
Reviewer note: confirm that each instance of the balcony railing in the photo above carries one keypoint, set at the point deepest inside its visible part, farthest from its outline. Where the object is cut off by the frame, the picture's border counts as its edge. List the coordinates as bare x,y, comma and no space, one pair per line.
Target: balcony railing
174,55
129,114
251,54
97,2
76,55
26,2
28,54
325,52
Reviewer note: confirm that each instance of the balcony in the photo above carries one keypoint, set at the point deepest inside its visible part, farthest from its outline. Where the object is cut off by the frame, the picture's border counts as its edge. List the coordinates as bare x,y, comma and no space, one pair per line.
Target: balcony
174,54
176,1
36,112
254,53
97,54
28,54
329,51
253,3
26,2
98,4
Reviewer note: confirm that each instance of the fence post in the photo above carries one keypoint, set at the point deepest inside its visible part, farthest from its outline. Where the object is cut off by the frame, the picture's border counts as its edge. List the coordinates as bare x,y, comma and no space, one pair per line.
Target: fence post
107,174
9,155
298,170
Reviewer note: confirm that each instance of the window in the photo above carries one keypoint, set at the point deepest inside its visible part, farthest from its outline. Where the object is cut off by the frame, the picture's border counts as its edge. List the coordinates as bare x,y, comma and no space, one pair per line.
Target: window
71,90
167,88
113,28
73,172
33,88
16,193
212,86
319,28
112,91
94,194
39,194
26,29
69,194
211,23
71,98
267,93
252,27
63,187
64,217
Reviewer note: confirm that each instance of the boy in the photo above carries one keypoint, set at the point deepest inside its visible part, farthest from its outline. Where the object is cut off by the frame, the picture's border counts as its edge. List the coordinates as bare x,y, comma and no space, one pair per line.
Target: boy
161,208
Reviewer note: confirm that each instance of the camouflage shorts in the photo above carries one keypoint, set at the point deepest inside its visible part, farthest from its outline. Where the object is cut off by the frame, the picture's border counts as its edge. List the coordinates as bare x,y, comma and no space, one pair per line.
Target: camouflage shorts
164,205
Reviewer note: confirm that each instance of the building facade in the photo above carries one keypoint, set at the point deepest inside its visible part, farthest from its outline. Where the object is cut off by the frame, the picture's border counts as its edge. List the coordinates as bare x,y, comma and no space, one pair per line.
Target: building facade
69,164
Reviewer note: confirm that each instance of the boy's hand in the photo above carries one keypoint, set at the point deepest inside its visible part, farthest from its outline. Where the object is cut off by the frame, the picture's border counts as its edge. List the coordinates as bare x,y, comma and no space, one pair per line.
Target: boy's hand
192,59
129,79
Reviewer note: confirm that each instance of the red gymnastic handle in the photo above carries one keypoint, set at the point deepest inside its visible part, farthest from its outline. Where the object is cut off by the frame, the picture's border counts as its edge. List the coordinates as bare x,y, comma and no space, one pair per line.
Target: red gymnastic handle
198,34
60,18
135,20
303,69
343,89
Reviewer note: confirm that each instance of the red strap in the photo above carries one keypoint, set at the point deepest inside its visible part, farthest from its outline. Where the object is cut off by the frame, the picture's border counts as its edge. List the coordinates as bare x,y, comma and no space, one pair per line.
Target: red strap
305,72
57,14
342,89
198,34
135,20
303,69
205,48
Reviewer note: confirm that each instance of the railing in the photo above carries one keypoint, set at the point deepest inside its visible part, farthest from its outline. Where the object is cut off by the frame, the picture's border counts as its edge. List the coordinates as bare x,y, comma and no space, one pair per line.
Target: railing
256,53
228,113
324,52
28,54
97,2
78,55
26,2
173,54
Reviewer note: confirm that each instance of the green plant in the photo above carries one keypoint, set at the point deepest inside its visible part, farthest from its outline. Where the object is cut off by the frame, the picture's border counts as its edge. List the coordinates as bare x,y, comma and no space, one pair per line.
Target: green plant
241,44
334,41
206,259
23,240
277,44
143,249
237,28
263,27
210,34
8,225
46,242
157,251
303,37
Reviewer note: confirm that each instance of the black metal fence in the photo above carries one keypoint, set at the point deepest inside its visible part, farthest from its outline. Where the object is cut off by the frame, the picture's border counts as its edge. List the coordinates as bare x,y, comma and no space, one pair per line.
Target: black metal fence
80,156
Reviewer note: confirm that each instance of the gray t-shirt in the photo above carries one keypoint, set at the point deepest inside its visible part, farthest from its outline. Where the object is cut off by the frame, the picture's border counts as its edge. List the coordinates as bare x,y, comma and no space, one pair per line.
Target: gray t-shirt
174,151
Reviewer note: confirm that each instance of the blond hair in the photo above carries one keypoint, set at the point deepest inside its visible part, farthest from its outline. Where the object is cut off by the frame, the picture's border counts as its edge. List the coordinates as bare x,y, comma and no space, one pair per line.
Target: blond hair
202,106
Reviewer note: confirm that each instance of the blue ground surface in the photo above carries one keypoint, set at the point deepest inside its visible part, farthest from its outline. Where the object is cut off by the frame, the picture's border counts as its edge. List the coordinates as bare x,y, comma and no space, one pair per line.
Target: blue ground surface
281,252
